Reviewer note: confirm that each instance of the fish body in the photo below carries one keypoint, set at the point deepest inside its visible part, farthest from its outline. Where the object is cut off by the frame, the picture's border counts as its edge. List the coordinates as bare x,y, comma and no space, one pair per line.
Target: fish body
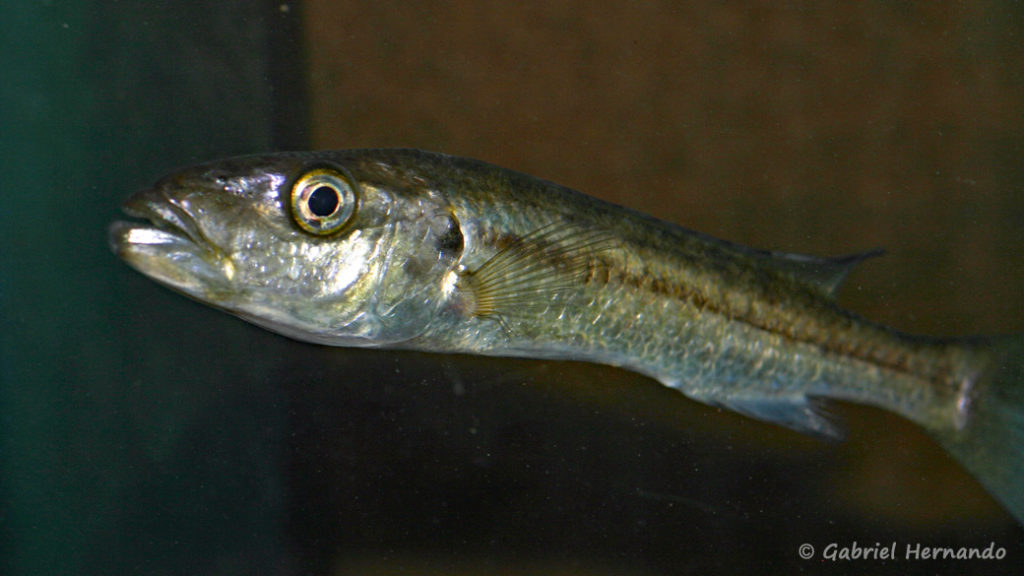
408,249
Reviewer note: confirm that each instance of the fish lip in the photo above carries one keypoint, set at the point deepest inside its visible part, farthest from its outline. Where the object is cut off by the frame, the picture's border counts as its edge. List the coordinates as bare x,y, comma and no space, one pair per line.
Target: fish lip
169,246
165,213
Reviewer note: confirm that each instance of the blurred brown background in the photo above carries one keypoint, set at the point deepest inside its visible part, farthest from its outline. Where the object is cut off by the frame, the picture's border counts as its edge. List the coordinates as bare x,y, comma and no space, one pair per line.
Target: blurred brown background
824,128
821,128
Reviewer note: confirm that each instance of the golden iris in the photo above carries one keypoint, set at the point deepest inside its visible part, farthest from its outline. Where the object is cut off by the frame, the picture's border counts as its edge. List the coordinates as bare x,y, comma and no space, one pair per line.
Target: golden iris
323,200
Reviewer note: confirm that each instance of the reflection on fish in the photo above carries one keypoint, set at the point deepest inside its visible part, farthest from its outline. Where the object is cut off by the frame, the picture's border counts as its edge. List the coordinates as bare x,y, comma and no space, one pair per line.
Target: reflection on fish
407,249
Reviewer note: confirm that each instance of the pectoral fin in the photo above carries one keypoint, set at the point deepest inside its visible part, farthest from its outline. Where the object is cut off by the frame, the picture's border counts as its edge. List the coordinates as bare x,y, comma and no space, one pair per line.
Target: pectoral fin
529,271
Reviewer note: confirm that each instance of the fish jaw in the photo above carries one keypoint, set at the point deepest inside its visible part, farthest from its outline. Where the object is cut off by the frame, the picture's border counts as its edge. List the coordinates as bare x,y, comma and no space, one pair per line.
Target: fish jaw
171,249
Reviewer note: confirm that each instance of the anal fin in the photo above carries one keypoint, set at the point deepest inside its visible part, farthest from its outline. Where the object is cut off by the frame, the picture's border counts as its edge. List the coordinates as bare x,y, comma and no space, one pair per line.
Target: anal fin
800,413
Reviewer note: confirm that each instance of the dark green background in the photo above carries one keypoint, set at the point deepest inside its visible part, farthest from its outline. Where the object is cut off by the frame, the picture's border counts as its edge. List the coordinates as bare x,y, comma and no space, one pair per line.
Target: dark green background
106,465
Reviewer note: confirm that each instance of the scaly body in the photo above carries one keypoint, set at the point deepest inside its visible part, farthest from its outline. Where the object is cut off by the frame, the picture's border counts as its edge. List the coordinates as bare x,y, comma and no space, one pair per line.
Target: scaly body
720,322
406,249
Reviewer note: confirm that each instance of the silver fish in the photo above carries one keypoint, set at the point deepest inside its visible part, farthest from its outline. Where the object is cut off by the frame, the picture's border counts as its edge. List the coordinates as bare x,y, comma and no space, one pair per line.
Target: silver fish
409,249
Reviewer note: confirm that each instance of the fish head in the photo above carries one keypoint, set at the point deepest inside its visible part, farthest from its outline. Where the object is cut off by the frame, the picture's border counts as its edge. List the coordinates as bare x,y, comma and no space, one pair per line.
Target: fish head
332,248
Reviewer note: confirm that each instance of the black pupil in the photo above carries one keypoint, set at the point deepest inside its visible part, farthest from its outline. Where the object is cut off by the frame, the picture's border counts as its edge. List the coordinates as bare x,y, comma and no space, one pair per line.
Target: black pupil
323,201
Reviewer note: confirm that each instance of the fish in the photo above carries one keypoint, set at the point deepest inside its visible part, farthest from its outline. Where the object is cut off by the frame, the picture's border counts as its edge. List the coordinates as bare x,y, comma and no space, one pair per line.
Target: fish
407,249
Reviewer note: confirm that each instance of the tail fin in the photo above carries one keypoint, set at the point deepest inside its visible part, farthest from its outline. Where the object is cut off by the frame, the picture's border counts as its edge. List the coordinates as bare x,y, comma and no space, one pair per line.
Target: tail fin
991,443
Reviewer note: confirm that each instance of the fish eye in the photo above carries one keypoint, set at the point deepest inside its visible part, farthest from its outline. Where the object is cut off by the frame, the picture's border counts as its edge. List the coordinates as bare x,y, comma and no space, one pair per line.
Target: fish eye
323,200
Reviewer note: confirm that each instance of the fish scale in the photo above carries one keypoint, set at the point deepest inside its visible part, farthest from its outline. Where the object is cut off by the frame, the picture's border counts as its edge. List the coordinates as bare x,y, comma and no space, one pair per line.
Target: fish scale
437,253
698,289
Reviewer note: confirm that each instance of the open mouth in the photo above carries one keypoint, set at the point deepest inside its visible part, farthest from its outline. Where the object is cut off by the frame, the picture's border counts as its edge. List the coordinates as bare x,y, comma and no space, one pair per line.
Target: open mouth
170,248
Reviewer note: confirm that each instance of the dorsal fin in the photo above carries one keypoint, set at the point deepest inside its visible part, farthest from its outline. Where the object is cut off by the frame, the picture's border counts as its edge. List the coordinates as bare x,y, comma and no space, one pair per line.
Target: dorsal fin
823,274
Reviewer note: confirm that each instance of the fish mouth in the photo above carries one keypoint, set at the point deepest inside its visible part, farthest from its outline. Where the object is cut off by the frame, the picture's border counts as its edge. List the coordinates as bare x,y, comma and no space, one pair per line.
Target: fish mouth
168,245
